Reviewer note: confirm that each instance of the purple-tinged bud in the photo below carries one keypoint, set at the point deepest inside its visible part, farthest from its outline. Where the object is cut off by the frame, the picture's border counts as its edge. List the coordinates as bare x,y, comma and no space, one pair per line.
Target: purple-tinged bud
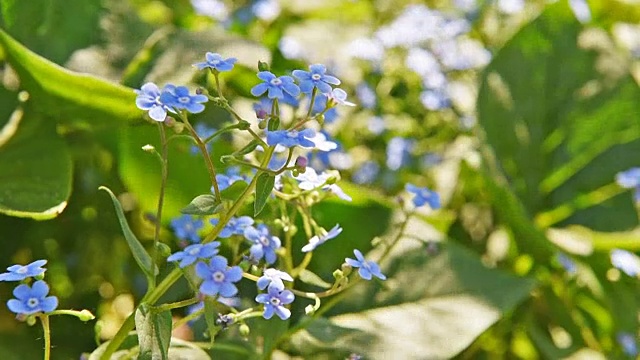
301,163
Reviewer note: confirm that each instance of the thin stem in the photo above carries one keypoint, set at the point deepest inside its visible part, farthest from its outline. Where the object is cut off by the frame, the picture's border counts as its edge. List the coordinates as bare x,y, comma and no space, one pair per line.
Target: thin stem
313,99
253,166
163,185
215,76
44,319
194,315
177,304
205,154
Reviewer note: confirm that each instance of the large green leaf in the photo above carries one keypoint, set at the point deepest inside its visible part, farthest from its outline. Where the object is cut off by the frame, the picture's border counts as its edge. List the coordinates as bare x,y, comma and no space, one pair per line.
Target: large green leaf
430,308
561,128
65,95
35,167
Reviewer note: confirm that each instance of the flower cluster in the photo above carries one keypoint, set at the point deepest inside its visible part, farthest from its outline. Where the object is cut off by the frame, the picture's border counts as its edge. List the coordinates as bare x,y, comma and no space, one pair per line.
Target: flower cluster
32,299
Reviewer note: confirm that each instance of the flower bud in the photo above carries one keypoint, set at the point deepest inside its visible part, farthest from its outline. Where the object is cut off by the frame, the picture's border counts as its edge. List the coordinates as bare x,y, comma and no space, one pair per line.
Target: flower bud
149,148
85,315
263,66
309,310
244,330
346,269
169,121
200,91
301,164
30,319
243,125
320,119
338,274
262,125
163,249
262,114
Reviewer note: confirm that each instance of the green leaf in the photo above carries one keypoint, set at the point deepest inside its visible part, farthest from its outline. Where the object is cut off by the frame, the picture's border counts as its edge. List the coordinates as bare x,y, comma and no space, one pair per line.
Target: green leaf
560,126
434,309
36,167
154,333
264,186
137,250
65,95
210,318
309,277
206,204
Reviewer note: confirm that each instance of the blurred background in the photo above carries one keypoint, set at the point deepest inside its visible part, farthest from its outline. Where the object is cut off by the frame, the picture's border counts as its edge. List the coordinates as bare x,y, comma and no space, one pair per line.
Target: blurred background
518,113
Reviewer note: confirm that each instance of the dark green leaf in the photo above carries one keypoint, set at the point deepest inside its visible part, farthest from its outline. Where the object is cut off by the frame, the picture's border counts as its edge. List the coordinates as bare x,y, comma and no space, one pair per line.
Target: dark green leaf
36,167
264,186
154,333
210,313
560,126
206,204
137,250
59,27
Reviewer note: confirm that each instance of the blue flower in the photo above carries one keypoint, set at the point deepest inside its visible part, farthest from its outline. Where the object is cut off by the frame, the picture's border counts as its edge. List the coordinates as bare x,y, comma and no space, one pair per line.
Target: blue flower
203,131
316,241
31,300
366,95
337,191
566,262
186,228
149,99
627,343
272,277
339,96
274,301
235,226
291,138
178,97
21,272
310,179
367,173
194,252
366,268
264,244
218,277
424,196
275,86
320,104
630,179
625,261
315,78
263,108
216,62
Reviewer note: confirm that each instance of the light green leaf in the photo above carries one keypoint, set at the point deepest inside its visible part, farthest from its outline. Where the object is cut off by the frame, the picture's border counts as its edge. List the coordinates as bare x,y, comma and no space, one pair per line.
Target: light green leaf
137,250
36,167
430,308
264,186
63,94
309,277
206,204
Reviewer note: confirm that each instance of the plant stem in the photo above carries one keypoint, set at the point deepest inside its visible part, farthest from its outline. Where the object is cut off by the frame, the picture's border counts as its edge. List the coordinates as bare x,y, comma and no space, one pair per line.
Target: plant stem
205,154
44,319
163,185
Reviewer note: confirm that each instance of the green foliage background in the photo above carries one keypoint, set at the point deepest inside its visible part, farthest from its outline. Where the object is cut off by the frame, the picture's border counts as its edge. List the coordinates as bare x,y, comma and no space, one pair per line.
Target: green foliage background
557,119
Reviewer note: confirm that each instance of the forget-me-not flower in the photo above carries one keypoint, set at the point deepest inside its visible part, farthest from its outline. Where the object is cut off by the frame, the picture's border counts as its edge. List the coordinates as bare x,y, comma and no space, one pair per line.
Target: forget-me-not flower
218,277
291,138
264,244
275,87
195,252
424,196
149,99
367,268
186,228
339,96
31,300
626,261
630,179
178,97
274,301
398,152
317,78
21,272
226,180
316,241
216,62
273,277
235,226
